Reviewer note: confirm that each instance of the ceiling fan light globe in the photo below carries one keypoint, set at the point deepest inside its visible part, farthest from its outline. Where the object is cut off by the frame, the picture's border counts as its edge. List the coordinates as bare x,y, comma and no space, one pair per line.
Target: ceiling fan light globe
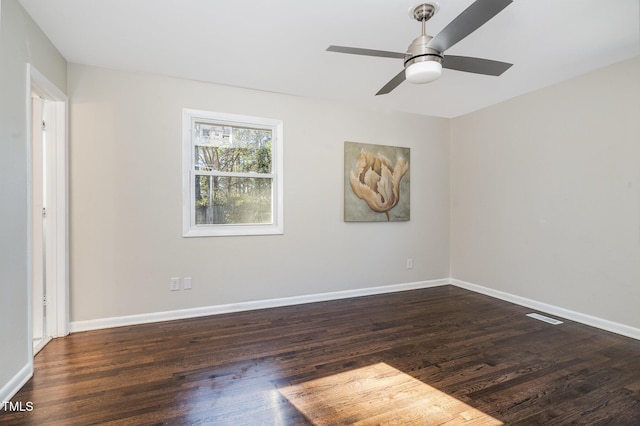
423,72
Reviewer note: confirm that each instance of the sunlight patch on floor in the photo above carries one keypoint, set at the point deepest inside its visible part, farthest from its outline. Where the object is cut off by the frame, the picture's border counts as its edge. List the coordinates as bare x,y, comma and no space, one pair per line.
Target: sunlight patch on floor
379,394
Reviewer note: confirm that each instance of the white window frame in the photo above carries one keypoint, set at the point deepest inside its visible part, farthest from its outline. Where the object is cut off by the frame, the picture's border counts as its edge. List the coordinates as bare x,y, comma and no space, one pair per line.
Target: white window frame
189,227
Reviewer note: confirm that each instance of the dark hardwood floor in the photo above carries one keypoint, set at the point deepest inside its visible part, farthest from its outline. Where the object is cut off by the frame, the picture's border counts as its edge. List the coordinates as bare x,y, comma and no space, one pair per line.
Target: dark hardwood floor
411,357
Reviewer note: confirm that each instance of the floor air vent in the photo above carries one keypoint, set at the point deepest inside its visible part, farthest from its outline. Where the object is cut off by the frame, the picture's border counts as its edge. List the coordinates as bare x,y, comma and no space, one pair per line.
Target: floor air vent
545,319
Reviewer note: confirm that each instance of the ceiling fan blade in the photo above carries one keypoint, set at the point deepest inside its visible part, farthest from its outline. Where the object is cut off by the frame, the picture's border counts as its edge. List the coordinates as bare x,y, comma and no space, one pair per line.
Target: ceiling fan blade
475,65
467,22
365,52
392,84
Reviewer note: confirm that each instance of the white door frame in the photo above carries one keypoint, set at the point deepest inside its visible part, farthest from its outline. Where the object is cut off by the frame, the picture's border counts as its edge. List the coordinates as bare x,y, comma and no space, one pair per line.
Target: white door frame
38,228
57,247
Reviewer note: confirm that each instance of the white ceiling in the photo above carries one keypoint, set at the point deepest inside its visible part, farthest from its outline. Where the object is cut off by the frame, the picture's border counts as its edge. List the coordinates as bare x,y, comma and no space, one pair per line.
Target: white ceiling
280,45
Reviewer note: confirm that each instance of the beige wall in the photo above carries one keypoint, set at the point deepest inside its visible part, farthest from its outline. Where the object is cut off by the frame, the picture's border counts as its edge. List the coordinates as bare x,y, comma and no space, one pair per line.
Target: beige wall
126,197
21,42
546,195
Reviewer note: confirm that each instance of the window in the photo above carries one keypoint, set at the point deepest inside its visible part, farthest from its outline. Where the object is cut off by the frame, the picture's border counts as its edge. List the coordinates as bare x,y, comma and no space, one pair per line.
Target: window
232,175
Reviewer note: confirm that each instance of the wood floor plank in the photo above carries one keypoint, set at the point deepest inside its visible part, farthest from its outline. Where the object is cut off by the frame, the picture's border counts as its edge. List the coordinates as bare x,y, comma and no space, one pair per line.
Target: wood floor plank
483,358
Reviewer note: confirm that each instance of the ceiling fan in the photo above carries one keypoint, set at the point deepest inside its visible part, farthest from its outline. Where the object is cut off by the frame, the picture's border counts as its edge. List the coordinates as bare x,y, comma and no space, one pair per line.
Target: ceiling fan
425,57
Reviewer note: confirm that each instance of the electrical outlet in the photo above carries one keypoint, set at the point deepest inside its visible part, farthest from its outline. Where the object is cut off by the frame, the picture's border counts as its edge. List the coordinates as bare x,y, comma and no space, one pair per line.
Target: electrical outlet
186,283
409,263
175,284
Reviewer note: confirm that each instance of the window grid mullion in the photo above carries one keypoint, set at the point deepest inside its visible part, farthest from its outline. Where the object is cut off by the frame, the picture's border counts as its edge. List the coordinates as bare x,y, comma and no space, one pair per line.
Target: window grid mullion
233,174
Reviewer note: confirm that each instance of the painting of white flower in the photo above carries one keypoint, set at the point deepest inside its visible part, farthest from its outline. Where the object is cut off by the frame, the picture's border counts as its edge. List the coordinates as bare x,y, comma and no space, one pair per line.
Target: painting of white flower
376,183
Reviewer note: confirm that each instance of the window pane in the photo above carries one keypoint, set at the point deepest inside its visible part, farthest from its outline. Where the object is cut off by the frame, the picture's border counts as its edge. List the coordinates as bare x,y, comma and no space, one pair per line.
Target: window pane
232,200
232,149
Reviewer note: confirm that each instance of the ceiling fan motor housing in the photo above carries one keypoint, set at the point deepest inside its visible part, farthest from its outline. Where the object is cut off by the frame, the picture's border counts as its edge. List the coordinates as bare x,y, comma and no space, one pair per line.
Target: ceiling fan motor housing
418,51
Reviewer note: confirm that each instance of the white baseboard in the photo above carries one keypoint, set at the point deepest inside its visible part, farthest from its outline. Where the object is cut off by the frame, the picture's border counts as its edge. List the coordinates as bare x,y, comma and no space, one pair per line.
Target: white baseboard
77,326
16,383
600,323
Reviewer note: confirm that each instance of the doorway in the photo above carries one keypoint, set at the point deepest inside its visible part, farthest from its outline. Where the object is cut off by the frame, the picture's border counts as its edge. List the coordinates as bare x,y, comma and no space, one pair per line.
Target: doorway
48,289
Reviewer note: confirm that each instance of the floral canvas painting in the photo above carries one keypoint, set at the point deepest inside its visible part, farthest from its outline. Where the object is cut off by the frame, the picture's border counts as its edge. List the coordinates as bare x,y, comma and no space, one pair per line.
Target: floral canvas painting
376,183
